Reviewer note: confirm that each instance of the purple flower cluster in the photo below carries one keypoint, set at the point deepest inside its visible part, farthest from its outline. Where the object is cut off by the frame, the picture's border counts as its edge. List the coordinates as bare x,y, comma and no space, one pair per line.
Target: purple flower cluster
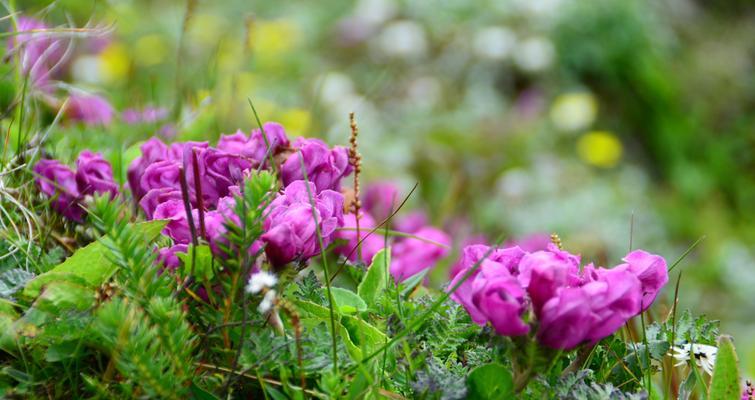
572,307
290,230
420,250
67,187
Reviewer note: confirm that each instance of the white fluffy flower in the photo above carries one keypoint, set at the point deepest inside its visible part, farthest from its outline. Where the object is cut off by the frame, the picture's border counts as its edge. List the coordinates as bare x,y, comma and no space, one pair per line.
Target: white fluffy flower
267,302
260,280
704,355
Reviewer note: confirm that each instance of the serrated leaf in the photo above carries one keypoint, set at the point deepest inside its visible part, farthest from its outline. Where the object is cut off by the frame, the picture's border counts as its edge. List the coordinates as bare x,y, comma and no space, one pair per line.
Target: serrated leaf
724,384
373,283
489,382
348,302
90,262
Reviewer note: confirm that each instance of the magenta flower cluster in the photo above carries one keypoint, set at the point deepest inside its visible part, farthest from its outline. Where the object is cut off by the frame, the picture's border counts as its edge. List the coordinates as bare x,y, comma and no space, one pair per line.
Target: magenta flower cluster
67,188
290,231
515,291
421,248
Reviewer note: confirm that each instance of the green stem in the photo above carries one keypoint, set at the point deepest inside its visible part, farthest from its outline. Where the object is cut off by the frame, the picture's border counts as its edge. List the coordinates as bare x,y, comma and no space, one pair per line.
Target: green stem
324,264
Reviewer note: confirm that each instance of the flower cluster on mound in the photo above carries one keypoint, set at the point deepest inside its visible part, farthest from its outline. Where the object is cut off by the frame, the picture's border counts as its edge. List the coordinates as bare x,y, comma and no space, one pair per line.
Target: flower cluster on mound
307,167
518,292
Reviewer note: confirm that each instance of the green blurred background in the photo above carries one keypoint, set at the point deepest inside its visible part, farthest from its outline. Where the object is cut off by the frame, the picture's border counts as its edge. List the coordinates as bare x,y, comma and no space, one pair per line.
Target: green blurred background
514,116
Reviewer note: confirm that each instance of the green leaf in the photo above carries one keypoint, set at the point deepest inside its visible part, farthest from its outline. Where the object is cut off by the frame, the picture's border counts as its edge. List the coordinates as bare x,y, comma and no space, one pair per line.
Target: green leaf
315,310
62,351
64,295
725,382
373,283
363,334
347,301
687,387
201,394
203,268
90,262
490,381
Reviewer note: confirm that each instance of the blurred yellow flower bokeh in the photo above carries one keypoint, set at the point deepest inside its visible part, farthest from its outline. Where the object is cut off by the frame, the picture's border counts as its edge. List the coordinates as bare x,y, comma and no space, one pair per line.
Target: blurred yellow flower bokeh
600,148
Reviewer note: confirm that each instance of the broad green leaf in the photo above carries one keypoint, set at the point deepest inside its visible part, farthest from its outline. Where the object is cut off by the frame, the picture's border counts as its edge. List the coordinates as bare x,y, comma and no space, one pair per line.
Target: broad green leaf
90,262
490,381
363,334
64,295
347,301
724,384
373,283
313,309
203,266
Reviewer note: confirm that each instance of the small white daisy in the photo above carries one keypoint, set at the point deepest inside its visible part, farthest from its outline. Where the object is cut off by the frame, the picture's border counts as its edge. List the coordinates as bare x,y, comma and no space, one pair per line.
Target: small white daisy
267,302
260,280
704,355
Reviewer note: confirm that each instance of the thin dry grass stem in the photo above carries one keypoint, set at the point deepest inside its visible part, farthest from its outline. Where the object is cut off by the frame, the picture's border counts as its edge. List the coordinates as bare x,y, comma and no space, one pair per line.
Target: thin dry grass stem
355,159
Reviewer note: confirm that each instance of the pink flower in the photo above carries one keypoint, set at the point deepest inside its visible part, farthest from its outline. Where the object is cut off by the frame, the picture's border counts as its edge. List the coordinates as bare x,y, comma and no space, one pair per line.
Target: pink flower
381,199
499,259
371,244
94,174
178,227
163,174
591,312
411,256
58,182
157,196
153,150
499,297
543,273
223,170
411,222
147,115
325,167
89,109
254,147
290,228
168,256
652,272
